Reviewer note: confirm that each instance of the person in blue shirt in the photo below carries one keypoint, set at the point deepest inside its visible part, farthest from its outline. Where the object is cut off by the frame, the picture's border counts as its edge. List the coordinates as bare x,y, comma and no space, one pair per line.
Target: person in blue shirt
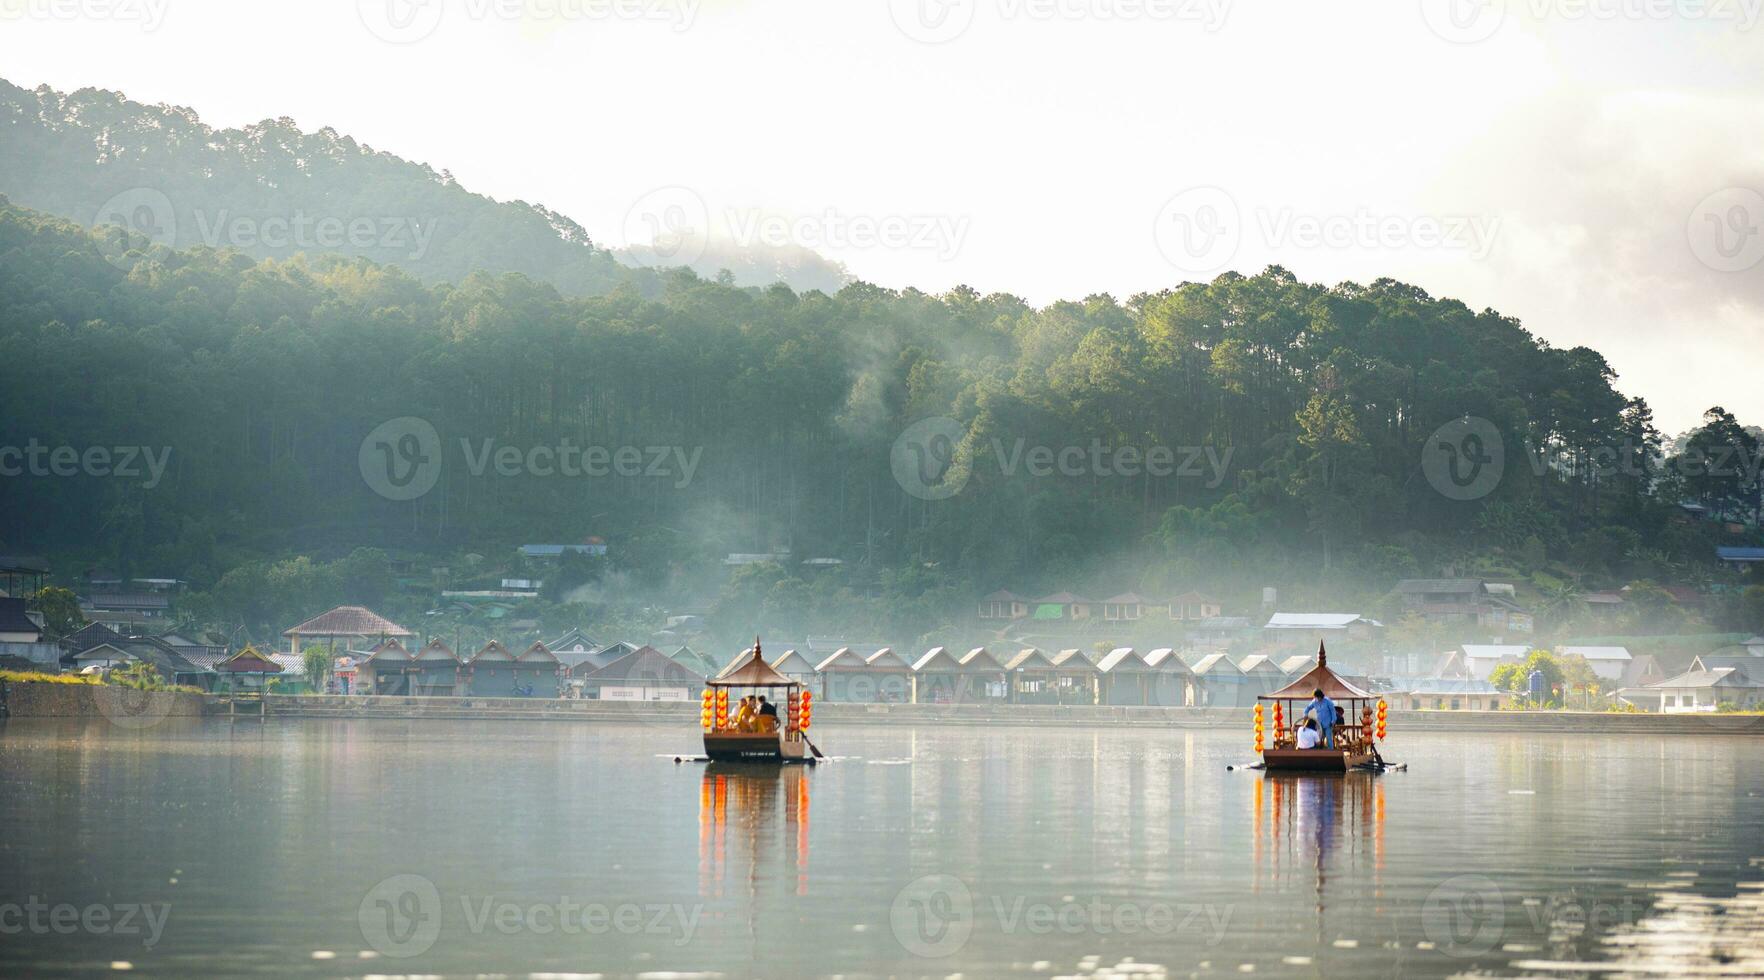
1323,709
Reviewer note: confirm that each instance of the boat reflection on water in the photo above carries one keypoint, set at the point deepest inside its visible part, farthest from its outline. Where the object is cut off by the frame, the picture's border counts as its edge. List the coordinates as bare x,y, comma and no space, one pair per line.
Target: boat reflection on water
747,812
1323,832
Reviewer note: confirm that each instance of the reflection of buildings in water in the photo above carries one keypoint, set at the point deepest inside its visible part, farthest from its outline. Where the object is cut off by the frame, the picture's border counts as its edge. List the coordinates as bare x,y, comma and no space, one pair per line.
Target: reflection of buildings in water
745,801
1308,827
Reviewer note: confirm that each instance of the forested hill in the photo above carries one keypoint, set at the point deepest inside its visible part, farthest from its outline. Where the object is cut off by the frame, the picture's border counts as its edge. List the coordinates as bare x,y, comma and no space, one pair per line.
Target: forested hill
272,191
1290,417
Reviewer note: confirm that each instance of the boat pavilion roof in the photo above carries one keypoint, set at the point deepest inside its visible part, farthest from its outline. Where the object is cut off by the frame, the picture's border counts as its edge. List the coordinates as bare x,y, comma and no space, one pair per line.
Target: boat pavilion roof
751,670
1322,678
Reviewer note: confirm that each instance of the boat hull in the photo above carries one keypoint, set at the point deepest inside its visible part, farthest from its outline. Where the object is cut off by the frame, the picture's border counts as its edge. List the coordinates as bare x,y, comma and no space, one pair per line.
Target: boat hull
753,747
1313,760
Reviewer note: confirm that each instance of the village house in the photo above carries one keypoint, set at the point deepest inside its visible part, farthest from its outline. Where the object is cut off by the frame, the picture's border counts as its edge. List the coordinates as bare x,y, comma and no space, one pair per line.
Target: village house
1221,683
125,608
1450,694
1033,678
573,647
1456,602
1004,605
1608,663
1307,630
1740,559
1708,689
1261,675
1480,660
593,547
644,674
940,677
1063,606
796,666
1191,607
344,627
1127,607
21,635
880,678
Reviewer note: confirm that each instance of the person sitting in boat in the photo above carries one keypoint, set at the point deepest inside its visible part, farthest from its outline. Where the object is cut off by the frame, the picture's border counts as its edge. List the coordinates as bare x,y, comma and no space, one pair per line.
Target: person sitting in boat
744,716
1323,710
768,715
1309,735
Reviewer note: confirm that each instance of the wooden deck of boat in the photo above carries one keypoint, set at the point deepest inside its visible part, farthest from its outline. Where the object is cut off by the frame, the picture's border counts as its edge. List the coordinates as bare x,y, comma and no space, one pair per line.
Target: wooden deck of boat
1313,760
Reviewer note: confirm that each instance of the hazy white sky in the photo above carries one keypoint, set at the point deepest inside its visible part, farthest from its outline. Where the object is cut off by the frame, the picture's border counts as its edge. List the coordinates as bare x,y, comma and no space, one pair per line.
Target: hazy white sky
1593,167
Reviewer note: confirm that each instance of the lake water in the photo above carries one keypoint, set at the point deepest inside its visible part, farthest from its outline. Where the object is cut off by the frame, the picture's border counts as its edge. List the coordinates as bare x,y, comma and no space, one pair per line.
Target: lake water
465,849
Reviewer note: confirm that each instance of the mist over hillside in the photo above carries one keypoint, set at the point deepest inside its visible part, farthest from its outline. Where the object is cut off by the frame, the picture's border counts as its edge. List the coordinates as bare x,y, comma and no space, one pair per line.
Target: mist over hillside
271,190
883,457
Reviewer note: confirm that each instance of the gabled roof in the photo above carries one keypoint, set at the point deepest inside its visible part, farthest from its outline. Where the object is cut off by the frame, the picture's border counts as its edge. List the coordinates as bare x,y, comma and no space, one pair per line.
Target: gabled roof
538,653
751,670
1259,664
645,663
843,658
13,617
1430,586
88,636
348,621
436,650
694,661
1074,658
1316,621
1751,666
1030,659
1126,599
1166,659
391,650
1487,651
493,652
887,659
248,661
1215,664
1597,653
599,658
1296,664
792,661
574,637
104,651
1449,685
1122,659
979,659
1719,677
1319,677
1003,596
932,657
1064,599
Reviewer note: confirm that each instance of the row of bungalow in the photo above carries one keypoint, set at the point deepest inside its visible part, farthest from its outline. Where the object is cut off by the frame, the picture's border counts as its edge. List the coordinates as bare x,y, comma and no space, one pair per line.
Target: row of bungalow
1127,607
1123,676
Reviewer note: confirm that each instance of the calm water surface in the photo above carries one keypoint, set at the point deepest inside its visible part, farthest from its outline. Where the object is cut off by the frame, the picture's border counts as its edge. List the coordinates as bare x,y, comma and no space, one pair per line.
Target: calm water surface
463,849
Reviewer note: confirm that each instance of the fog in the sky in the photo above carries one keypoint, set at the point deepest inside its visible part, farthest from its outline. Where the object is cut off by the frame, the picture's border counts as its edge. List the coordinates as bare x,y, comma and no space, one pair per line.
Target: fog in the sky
1592,167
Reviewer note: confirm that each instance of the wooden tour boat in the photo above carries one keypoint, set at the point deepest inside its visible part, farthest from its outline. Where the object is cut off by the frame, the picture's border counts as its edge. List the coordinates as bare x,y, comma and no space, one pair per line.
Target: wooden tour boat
1356,737
729,737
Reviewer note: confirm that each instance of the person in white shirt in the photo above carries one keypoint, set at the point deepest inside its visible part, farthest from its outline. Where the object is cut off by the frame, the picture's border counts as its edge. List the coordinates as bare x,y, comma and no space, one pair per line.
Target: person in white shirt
1308,735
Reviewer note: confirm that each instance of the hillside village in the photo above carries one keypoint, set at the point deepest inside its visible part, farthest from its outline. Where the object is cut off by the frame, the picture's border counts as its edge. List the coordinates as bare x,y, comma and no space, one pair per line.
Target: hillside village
1430,644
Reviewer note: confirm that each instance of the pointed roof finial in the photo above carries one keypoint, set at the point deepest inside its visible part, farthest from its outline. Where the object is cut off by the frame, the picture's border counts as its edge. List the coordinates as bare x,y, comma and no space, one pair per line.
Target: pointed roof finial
1322,655
756,646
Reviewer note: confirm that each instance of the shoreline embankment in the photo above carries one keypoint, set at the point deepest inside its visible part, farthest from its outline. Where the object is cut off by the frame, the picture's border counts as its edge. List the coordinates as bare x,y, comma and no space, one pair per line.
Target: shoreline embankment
138,709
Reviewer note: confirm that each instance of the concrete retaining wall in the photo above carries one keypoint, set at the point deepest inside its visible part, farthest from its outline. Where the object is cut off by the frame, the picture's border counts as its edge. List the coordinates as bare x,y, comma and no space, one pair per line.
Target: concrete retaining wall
831,714
28,699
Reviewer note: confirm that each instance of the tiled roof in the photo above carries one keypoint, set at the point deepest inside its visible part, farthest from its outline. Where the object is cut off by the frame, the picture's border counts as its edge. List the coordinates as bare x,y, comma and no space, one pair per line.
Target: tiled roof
1597,653
348,621
13,618
1306,621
